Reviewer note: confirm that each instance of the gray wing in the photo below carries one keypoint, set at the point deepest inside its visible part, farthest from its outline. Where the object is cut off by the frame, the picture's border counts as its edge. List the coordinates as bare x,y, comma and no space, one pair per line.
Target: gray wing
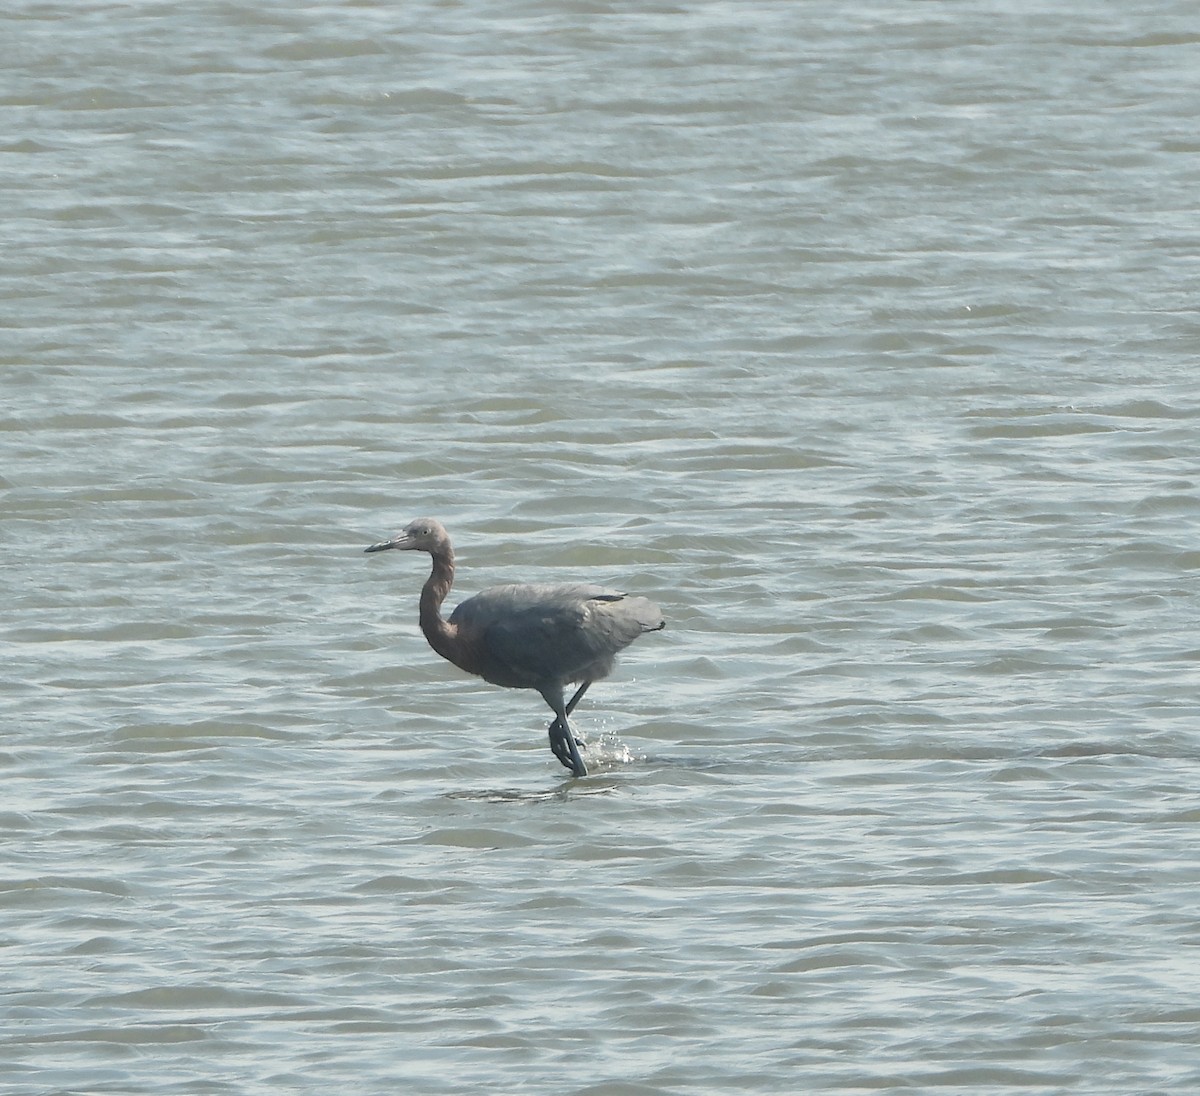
531,635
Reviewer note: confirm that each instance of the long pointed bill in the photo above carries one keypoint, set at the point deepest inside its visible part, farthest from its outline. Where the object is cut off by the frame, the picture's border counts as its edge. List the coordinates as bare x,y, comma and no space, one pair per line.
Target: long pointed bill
381,546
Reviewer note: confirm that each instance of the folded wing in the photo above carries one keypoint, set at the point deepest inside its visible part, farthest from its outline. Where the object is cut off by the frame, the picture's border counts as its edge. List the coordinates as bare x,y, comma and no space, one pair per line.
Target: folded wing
529,636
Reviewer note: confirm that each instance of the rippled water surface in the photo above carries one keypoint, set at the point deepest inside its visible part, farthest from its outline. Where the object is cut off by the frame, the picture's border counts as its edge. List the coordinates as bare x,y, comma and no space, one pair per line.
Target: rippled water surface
861,338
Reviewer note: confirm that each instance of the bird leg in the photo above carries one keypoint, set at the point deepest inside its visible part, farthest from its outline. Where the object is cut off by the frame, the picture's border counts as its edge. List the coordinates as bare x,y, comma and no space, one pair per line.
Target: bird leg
562,741
559,747
577,697
556,739
566,748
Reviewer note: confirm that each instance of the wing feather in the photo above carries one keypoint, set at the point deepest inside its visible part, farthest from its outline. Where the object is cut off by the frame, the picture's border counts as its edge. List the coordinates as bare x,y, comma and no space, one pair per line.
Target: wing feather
535,635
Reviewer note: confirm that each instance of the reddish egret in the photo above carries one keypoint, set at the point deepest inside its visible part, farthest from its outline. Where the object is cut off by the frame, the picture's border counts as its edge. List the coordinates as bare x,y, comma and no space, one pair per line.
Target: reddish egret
527,637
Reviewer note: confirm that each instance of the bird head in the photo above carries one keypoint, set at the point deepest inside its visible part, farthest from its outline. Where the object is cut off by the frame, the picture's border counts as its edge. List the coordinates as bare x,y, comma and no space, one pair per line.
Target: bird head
422,535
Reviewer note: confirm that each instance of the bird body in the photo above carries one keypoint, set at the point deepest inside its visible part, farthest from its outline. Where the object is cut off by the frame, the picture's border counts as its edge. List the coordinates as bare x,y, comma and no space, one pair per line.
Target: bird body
528,635
536,636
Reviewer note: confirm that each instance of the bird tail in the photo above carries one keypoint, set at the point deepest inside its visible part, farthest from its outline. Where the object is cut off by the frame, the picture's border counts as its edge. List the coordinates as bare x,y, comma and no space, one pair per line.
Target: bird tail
646,613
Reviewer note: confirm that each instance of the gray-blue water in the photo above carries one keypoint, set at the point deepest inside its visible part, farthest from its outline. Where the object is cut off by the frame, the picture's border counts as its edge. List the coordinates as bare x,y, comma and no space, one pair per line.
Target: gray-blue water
863,339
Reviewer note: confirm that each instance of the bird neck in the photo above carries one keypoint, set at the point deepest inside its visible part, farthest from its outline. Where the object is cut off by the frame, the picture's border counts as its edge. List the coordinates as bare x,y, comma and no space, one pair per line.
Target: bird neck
440,633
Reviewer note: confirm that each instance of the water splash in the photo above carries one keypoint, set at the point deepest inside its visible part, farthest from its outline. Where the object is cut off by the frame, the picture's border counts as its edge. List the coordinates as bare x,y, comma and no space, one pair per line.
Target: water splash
608,751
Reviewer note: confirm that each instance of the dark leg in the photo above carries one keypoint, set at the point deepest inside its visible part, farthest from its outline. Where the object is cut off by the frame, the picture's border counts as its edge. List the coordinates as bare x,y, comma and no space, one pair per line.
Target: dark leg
559,746
579,740
562,741
577,697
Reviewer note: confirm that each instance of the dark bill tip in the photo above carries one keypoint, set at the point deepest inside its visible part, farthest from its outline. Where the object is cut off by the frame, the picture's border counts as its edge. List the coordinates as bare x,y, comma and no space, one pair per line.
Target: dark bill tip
381,546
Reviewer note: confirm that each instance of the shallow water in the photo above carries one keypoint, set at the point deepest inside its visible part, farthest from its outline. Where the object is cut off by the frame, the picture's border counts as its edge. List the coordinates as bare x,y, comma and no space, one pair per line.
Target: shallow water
862,341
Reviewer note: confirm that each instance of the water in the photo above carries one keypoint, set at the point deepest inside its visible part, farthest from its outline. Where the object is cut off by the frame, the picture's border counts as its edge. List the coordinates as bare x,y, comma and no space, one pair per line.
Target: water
861,339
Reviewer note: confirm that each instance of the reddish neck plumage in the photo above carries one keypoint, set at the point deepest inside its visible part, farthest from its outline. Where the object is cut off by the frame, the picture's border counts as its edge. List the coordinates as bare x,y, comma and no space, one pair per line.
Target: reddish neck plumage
440,633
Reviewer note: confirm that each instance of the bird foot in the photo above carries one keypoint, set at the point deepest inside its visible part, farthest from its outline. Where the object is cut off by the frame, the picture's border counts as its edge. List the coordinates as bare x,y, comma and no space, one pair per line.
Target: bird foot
566,748
556,734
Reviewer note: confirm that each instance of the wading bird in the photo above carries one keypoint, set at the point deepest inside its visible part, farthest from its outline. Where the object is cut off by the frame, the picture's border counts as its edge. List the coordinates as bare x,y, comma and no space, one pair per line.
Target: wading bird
527,637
